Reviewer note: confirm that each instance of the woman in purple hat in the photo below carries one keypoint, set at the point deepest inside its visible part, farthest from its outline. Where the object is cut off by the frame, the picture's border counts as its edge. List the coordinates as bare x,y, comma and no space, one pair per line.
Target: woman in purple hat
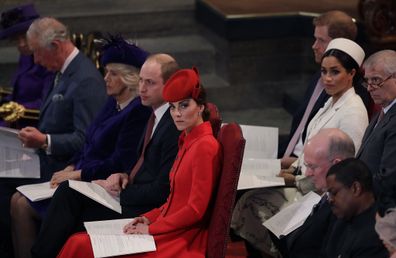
111,140
30,81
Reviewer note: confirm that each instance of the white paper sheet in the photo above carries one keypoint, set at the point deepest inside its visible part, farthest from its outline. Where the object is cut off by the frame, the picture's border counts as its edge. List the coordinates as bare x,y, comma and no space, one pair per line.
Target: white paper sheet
37,192
248,181
259,165
96,193
293,216
261,142
16,161
106,227
107,239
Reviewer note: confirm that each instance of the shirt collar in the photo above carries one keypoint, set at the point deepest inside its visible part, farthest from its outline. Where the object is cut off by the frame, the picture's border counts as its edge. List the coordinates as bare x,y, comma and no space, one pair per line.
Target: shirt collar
69,59
159,112
389,106
125,103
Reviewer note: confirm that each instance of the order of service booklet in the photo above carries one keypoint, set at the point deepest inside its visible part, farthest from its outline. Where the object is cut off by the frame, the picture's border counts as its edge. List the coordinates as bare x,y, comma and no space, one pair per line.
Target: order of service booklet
96,193
292,216
37,192
108,239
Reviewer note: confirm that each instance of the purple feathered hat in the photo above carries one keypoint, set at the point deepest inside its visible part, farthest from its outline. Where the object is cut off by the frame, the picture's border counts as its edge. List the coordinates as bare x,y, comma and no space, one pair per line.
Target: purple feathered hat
17,20
117,50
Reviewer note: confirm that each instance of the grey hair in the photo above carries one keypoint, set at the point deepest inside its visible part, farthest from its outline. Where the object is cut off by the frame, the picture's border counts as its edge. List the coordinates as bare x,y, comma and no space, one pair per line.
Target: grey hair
47,29
129,74
385,57
340,145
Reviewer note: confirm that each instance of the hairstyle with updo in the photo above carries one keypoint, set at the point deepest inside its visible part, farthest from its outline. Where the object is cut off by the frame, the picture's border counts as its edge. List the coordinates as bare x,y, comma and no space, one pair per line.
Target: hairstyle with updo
129,74
201,100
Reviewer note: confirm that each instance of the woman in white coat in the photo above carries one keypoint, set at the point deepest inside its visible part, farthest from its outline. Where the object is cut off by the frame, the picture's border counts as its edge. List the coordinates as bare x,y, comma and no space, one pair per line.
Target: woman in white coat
340,70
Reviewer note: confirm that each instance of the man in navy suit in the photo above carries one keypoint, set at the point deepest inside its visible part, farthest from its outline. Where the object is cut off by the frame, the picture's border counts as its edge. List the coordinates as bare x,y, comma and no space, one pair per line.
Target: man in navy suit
76,96
145,188
378,149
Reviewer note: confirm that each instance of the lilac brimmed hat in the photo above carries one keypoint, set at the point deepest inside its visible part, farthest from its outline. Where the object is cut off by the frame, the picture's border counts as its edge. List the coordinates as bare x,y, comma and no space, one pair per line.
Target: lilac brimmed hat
117,50
17,20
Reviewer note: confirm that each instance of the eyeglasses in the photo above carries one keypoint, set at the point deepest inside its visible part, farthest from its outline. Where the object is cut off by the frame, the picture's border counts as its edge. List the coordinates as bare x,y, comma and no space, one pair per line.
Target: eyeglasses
311,166
375,82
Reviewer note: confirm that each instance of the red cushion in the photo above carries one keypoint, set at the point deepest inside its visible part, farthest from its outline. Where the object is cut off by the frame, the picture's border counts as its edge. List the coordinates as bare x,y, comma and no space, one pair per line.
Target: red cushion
233,145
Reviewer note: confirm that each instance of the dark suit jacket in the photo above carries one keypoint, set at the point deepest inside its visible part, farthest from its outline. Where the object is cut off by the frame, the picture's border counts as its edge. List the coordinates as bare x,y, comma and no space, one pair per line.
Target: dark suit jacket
298,115
355,238
378,151
68,110
307,240
151,183
112,140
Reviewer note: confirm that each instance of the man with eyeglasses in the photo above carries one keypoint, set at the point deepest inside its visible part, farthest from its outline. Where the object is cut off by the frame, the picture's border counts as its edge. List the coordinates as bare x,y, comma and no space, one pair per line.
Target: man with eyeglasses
326,148
378,149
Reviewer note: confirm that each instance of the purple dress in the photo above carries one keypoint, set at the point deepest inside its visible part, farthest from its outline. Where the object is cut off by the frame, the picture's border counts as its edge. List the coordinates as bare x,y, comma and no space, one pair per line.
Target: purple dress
30,84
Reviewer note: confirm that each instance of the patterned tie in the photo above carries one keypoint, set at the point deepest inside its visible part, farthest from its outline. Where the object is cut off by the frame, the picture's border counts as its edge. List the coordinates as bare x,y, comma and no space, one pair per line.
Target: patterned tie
57,78
380,117
147,136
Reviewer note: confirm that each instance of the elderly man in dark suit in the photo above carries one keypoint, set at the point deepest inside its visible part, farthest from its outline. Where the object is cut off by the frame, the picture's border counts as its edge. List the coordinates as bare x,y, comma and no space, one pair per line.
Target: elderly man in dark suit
328,147
77,94
378,149
147,185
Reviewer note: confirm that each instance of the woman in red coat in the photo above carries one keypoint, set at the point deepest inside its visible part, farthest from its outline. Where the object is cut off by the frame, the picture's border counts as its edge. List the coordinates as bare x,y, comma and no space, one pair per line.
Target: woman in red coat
180,225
